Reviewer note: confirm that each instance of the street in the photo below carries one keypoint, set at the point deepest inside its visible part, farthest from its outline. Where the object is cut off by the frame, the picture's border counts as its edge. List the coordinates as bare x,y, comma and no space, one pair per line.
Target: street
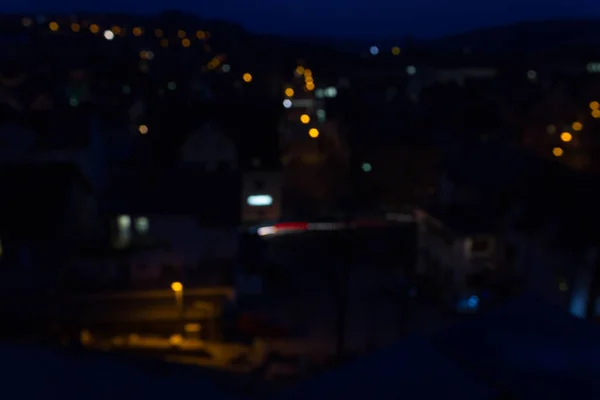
378,262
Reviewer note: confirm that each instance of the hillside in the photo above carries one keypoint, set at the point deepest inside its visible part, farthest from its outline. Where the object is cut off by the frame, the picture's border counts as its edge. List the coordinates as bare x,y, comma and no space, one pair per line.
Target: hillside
525,37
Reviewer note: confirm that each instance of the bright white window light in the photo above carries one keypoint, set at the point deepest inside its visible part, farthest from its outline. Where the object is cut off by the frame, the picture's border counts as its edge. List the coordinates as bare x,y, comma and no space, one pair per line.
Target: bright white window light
260,200
142,224
124,222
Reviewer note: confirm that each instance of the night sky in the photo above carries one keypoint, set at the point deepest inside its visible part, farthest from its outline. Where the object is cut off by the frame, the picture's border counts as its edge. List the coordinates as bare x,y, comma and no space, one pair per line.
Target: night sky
342,18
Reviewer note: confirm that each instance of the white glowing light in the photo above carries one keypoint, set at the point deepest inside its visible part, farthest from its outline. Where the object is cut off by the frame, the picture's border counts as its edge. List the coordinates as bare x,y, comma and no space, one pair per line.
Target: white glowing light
260,200
109,35
124,221
266,230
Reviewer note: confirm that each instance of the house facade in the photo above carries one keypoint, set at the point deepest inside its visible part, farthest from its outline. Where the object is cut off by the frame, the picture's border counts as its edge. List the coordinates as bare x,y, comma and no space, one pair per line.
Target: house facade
548,238
171,224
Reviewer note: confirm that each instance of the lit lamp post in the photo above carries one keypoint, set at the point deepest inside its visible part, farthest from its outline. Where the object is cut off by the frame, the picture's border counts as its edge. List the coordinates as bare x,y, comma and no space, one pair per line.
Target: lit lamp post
177,288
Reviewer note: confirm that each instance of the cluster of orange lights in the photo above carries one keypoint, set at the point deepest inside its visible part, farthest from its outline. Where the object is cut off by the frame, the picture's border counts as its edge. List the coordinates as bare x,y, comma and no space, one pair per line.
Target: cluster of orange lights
309,83
215,62
136,31
595,109
576,126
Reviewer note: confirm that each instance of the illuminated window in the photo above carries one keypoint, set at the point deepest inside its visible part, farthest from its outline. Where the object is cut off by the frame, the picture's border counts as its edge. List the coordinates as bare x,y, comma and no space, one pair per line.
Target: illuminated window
137,31
123,230
53,26
304,118
313,133
287,103
299,70
577,126
411,70
116,30
594,105
200,35
75,27
143,129
186,42
94,28
180,34
366,167
247,77
259,200
395,50
310,86
142,224
593,67
289,92
596,114
124,221
557,151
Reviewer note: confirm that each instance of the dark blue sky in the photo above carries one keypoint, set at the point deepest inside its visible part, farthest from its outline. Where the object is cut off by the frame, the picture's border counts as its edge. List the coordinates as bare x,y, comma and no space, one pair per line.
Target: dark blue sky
345,18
